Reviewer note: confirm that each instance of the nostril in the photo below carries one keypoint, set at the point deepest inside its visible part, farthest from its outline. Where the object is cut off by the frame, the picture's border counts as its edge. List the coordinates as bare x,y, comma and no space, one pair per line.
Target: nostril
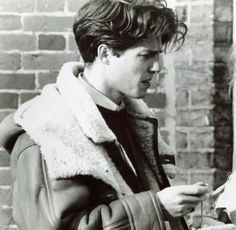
151,70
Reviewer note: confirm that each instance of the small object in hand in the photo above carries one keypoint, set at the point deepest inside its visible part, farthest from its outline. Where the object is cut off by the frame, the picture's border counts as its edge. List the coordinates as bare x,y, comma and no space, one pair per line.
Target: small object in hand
191,209
201,214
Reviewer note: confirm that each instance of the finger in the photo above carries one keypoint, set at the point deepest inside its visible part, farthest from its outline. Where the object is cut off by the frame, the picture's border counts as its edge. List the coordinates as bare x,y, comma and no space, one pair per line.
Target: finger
187,210
193,189
221,227
190,199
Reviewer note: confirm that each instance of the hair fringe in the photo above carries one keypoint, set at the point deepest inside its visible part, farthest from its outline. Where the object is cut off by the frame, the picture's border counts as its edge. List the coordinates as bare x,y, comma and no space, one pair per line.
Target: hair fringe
122,23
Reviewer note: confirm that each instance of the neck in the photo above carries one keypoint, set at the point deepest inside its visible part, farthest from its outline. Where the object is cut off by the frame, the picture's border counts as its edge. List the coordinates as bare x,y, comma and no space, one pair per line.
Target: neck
96,76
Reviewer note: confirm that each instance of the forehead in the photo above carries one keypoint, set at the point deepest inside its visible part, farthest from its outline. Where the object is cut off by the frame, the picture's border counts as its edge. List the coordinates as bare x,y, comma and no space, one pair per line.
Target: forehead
153,44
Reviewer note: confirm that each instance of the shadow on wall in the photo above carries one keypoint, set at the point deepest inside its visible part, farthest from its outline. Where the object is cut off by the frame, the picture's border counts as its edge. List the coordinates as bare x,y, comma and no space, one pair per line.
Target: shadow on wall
222,119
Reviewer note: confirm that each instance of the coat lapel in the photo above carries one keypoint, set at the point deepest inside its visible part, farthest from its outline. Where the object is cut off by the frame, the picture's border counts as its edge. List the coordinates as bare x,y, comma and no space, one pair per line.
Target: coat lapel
144,128
65,113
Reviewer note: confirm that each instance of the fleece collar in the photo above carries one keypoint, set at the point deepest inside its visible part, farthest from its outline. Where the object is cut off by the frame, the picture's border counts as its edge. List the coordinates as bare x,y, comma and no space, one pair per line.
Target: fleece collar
77,99
65,113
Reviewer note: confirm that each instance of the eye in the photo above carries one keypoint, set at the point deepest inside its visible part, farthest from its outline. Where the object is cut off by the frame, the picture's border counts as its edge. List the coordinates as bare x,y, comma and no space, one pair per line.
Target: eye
150,55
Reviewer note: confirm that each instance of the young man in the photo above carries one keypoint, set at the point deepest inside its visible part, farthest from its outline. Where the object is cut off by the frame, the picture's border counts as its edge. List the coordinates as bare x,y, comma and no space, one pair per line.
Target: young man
85,153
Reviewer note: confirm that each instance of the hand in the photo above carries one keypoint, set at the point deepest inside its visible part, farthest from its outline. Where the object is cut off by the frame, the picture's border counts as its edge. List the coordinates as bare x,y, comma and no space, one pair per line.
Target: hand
221,227
207,223
180,200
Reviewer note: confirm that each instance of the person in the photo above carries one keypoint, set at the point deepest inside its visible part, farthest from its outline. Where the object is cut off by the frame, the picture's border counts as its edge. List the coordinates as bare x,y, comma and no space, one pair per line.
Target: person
225,209
87,152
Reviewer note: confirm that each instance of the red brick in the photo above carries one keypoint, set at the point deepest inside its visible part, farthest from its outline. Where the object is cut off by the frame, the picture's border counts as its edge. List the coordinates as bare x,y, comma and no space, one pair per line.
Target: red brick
5,217
195,160
24,42
18,7
3,114
223,10
165,136
182,99
201,139
159,81
183,56
223,158
5,176
157,100
181,178
160,115
48,23
17,81
9,61
8,100
11,227
47,78
203,53
220,177
223,32
182,13
181,140
50,5
5,196
220,76
221,52
199,33
222,116
224,136
201,14
188,77
194,118
72,43
51,42
201,97
221,96
4,158
205,176
27,96
10,22
50,61
74,5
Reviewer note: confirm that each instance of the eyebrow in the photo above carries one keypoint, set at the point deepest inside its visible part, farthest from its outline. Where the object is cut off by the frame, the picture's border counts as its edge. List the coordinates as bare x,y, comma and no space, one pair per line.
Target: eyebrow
152,51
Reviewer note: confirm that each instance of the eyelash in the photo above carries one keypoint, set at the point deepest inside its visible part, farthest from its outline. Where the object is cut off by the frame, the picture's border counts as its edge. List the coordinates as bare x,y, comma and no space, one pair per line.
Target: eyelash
147,56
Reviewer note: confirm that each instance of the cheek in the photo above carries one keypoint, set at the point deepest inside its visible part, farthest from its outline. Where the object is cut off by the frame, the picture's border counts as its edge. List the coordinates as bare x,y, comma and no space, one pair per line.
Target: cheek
137,70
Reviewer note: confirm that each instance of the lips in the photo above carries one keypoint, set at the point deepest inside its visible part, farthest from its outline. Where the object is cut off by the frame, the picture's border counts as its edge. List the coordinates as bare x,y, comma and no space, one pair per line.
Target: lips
147,82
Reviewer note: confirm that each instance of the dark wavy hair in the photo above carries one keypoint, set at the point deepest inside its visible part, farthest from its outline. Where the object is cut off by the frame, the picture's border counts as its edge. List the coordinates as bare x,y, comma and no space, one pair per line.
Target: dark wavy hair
121,23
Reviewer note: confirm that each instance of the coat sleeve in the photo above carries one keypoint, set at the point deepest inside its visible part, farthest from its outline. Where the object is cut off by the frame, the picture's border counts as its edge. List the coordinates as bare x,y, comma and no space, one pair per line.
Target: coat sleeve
40,205
140,211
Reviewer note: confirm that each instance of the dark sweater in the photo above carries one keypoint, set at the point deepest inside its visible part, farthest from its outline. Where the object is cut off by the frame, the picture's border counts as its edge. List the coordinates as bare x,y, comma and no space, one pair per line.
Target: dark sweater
117,122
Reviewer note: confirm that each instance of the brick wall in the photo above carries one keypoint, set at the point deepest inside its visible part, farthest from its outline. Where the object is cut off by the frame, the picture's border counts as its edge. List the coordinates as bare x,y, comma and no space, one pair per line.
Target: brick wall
190,100
35,40
202,115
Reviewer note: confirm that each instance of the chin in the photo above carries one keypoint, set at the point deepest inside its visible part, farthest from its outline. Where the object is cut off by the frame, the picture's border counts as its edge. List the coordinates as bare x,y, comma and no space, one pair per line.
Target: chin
140,95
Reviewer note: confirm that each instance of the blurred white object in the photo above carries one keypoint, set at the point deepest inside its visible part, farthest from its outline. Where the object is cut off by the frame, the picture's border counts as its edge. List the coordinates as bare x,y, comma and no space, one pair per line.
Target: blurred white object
226,199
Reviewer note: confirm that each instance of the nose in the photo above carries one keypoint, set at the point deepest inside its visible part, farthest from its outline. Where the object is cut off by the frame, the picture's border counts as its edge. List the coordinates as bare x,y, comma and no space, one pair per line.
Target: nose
155,67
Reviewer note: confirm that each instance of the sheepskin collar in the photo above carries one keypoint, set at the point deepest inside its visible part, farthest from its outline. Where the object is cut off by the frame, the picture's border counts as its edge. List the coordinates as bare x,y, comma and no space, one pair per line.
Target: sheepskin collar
68,127
83,107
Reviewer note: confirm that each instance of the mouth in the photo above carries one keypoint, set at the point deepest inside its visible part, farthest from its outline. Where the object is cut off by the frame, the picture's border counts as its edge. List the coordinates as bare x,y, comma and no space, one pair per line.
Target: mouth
147,82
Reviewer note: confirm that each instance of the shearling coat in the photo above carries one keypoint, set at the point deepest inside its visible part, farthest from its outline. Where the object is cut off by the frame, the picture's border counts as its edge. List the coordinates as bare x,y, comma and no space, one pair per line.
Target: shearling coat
63,177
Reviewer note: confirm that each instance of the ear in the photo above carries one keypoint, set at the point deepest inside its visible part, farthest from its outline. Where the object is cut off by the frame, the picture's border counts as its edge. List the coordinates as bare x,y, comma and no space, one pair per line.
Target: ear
104,53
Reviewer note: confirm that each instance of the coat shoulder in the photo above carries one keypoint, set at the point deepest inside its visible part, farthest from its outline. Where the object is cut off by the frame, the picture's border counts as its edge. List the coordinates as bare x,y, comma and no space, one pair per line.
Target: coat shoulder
23,142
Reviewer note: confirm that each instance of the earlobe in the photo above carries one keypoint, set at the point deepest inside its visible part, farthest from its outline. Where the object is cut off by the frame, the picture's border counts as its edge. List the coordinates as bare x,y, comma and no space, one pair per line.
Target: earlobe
104,53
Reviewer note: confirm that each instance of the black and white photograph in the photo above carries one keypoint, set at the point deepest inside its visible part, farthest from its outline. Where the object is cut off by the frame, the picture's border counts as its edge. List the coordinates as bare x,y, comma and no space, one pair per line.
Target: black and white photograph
117,115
